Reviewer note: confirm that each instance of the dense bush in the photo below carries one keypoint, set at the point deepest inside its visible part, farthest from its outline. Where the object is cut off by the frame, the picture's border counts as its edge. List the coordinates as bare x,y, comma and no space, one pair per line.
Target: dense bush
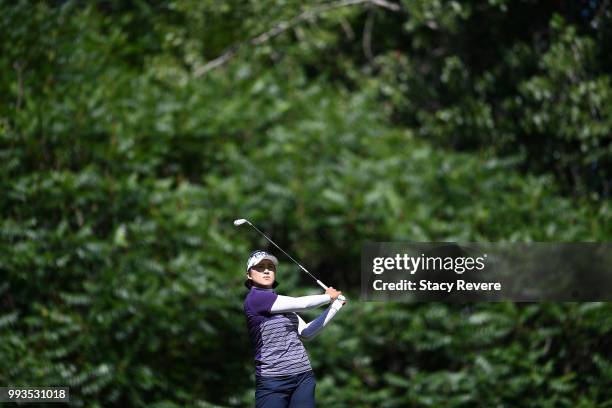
122,170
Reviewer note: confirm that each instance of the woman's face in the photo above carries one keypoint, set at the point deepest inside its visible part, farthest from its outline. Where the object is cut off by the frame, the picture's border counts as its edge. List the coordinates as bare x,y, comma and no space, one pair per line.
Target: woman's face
263,274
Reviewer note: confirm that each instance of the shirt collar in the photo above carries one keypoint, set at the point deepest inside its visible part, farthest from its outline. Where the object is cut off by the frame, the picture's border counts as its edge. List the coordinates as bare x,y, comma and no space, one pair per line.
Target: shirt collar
263,289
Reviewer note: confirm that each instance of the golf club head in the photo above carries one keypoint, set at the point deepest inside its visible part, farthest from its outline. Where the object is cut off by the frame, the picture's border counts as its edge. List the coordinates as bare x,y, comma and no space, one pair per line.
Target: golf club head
239,221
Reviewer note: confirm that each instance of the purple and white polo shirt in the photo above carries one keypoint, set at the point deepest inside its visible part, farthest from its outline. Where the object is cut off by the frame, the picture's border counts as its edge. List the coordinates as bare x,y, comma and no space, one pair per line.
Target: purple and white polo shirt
278,349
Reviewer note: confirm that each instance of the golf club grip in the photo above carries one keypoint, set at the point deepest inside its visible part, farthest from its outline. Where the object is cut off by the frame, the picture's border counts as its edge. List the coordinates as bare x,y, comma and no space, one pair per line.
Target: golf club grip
341,297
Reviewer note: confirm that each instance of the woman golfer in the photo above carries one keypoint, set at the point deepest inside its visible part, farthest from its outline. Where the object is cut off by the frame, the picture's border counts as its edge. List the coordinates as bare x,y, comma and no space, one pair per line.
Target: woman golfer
284,377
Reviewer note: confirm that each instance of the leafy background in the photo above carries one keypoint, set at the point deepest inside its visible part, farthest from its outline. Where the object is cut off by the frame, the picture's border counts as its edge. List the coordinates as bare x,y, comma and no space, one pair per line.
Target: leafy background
125,159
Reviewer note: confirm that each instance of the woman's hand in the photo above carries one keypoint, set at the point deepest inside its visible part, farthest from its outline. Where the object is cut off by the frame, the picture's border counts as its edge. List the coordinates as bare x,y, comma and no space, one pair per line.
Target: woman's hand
333,293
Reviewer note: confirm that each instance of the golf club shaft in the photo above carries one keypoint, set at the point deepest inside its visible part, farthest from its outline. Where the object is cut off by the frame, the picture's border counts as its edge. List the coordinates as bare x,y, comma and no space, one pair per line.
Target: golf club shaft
341,297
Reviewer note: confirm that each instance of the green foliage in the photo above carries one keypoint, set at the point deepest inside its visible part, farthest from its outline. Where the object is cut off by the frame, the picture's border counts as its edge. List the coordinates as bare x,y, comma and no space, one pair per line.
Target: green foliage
122,171
493,354
474,79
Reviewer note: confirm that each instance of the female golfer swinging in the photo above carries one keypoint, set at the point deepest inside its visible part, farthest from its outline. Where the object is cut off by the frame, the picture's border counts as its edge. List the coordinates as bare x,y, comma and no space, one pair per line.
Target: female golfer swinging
284,377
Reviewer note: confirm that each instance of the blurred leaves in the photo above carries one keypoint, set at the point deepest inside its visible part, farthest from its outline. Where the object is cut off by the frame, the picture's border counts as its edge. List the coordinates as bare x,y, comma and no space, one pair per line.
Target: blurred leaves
121,173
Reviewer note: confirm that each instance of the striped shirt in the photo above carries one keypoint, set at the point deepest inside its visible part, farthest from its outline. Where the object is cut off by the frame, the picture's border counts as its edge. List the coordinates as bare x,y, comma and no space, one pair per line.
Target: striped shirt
278,348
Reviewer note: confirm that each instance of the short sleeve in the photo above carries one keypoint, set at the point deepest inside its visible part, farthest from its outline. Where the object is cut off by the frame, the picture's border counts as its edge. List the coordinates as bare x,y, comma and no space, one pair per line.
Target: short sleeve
260,302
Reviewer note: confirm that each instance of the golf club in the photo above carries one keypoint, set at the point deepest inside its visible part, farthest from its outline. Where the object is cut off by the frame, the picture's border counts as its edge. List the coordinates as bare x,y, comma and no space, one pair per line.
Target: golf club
241,221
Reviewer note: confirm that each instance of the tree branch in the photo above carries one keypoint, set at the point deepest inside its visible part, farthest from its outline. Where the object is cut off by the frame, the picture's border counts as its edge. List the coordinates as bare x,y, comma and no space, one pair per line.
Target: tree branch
19,71
348,30
367,36
284,26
